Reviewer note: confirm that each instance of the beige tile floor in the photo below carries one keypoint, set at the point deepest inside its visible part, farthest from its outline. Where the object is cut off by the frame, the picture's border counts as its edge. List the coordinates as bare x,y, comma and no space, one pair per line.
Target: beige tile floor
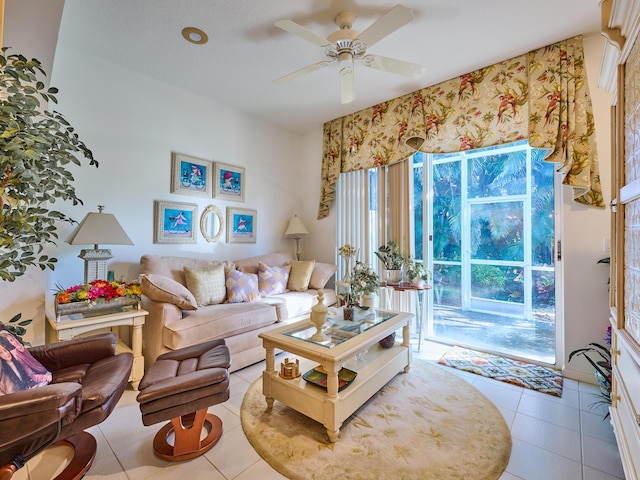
553,438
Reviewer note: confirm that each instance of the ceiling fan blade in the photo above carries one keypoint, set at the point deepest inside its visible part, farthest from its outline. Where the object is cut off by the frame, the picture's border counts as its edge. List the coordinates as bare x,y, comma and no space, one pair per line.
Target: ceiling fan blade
387,24
299,30
347,91
394,65
308,69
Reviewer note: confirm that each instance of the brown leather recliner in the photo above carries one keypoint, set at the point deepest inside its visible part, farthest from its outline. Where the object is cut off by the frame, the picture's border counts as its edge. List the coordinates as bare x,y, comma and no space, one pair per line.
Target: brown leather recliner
88,379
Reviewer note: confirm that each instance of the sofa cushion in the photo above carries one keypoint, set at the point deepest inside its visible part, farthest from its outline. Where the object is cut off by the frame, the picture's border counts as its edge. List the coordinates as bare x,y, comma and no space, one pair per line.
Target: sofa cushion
207,284
217,321
272,280
173,267
300,275
251,264
166,290
322,273
242,287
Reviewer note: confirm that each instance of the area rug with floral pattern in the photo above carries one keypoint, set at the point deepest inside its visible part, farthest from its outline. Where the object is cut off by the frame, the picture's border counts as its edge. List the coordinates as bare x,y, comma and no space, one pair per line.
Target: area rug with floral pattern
523,374
427,424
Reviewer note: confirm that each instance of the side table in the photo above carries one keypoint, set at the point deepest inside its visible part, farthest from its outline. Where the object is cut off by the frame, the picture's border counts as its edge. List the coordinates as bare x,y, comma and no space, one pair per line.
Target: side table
420,303
73,325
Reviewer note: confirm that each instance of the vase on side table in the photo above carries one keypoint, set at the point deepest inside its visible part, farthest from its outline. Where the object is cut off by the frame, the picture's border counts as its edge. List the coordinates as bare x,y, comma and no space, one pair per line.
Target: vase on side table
346,277
392,277
367,300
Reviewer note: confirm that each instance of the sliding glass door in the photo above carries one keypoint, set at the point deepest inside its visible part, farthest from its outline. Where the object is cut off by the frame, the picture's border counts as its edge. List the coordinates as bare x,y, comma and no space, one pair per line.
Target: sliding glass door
489,239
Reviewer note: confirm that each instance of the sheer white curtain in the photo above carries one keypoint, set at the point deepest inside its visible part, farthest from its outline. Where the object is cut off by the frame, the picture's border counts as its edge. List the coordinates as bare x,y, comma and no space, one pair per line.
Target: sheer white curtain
357,218
372,208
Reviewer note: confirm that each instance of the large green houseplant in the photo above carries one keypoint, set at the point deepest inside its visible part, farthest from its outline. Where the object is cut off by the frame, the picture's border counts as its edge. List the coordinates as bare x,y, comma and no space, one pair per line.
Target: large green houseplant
36,147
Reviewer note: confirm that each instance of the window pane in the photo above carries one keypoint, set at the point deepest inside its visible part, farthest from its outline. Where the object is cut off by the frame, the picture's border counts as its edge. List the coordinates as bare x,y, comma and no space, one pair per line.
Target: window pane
494,282
498,175
542,210
543,297
496,231
418,167
446,285
446,211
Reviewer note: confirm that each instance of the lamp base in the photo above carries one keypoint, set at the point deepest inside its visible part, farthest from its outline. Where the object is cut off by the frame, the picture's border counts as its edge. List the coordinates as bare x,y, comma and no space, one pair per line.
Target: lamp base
297,239
95,263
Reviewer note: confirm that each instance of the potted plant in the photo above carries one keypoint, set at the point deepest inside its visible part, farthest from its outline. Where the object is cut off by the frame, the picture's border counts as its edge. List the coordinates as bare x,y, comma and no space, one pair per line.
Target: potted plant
601,362
393,261
364,283
349,301
417,274
37,146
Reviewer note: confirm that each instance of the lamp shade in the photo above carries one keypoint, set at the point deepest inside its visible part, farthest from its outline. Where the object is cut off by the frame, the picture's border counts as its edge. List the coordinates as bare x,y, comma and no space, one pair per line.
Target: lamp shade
99,228
295,228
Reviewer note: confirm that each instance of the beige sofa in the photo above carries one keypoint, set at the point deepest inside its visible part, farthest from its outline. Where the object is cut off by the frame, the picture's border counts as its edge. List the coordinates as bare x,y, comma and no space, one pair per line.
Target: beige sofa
190,301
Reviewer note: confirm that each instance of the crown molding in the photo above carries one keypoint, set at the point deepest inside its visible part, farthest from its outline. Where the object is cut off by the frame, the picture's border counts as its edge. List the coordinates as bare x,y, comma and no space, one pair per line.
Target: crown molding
622,24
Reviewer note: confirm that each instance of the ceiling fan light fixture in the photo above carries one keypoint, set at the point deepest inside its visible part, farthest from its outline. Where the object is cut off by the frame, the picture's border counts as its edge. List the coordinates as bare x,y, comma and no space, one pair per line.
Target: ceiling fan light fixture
195,35
348,45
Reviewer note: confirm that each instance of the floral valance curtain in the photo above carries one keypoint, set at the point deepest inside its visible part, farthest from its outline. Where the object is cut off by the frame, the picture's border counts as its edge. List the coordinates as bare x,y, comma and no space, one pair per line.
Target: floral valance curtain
542,96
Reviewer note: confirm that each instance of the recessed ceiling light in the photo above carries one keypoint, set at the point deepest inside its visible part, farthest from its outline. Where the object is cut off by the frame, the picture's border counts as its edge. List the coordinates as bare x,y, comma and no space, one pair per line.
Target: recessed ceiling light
194,35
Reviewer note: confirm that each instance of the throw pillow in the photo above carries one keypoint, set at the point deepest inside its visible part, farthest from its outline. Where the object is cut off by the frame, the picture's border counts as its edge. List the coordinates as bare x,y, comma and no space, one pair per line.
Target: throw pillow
300,275
164,289
18,369
321,274
272,280
242,287
206,284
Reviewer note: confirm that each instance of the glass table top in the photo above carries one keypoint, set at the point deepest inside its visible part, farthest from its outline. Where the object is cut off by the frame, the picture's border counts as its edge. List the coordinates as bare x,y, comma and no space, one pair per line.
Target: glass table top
338,330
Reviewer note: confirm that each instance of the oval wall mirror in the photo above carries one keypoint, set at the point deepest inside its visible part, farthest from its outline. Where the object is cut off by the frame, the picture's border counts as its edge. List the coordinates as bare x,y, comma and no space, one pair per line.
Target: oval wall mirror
211,223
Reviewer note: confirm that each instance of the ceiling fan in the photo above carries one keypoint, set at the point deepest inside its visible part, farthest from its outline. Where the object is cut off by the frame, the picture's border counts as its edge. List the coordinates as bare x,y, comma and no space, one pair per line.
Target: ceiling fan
346,46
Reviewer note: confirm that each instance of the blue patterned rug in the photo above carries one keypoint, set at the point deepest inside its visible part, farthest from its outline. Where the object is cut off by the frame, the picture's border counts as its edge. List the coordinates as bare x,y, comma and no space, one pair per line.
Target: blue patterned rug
523,374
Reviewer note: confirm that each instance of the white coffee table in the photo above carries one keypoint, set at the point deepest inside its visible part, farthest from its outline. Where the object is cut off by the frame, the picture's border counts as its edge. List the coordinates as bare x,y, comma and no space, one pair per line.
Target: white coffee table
329,406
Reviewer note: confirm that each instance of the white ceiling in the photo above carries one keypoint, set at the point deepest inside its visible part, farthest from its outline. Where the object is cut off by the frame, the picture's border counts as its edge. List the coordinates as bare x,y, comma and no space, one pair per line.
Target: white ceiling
246,52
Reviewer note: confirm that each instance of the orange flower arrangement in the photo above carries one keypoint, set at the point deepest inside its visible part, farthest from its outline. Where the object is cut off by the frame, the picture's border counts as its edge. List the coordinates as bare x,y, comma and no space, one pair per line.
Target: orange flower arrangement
99,291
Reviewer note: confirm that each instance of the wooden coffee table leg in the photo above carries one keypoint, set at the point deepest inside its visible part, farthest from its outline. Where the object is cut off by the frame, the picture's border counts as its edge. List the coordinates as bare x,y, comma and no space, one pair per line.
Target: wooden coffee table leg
270,371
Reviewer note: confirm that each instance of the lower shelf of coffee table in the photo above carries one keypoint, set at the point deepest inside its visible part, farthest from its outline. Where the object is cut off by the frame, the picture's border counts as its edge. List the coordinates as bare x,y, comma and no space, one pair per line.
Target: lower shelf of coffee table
374,371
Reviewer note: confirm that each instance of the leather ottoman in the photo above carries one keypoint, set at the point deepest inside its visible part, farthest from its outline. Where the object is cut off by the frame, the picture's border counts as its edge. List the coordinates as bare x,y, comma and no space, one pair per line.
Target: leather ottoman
180,386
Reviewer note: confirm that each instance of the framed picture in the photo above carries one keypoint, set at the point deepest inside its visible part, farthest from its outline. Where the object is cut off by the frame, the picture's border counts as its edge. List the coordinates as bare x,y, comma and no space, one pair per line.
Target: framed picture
190,175
241,225
175,222
229,182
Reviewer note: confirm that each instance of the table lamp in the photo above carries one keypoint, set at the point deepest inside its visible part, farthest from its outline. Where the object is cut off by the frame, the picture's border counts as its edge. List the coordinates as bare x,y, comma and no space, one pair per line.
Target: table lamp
296,230
97,228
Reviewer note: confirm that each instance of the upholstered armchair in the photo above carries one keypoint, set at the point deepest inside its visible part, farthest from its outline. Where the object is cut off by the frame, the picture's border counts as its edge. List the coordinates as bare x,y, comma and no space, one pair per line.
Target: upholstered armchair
88,379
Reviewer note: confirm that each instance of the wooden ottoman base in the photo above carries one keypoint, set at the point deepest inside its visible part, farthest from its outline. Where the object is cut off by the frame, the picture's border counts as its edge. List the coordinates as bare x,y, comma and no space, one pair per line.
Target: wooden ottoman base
187,431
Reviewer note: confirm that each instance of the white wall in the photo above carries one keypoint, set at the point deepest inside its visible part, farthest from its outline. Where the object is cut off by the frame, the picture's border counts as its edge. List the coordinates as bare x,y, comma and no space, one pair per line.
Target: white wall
132,123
